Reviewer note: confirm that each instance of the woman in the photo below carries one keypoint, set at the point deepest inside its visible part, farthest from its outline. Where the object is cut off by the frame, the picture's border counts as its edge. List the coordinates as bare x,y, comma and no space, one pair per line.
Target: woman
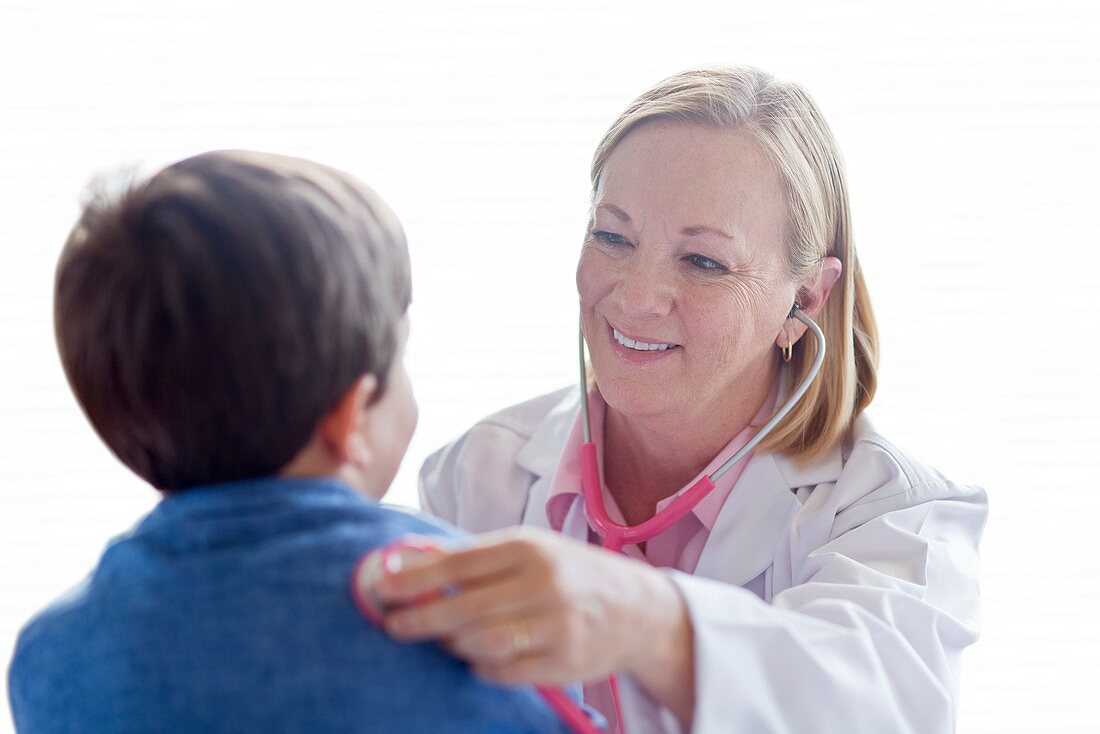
828,581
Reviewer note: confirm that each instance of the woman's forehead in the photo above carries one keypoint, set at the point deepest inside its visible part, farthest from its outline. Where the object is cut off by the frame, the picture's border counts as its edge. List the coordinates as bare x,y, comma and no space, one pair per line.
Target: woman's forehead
688,175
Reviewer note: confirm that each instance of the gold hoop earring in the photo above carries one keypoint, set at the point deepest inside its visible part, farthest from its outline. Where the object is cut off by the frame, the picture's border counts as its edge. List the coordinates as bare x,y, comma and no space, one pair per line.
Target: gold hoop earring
787,350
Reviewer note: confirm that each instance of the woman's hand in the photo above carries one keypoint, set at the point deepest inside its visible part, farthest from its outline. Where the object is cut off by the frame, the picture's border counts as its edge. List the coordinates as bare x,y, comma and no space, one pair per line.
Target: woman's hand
531,606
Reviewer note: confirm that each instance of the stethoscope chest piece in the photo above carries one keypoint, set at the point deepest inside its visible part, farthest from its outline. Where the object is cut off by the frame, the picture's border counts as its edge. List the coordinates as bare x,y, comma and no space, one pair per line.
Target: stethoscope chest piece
376,564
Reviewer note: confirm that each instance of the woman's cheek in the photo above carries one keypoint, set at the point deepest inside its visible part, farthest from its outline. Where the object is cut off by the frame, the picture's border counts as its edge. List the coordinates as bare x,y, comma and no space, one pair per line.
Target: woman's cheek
748,302
724,318
591,278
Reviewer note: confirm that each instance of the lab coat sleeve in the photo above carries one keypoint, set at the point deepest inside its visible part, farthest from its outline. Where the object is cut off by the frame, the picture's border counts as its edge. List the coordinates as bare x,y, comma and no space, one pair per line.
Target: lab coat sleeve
866,637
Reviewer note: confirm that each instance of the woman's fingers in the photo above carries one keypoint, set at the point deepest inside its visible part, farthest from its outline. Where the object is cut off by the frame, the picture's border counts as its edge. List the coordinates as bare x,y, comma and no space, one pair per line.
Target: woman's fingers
501,640
498,554
533,606
499,597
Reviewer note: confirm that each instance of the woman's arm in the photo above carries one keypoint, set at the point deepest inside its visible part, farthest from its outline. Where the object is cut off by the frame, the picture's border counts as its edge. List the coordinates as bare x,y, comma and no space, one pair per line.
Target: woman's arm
868,637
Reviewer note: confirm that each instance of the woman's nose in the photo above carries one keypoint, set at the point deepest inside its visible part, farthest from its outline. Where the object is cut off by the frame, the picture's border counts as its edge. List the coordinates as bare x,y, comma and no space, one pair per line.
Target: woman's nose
643,291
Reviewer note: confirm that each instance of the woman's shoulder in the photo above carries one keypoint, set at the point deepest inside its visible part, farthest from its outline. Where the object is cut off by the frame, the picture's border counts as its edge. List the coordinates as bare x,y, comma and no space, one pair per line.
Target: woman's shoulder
869,482
526,418
868,471
869,455
479,480
868,448
875,474
508,431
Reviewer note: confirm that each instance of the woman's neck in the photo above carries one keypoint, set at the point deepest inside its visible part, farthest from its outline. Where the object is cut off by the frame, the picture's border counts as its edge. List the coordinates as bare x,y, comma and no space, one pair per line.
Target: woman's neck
649,458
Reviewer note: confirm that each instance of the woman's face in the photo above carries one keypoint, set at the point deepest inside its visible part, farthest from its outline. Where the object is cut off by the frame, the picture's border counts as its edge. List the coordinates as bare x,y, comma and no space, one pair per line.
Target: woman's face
682,281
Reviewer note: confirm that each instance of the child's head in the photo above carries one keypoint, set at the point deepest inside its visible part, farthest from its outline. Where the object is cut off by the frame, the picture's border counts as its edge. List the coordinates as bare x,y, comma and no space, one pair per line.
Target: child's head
240,315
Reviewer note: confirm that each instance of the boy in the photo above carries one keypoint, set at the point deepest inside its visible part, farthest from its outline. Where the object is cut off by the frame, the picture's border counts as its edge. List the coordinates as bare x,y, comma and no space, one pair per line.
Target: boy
233,328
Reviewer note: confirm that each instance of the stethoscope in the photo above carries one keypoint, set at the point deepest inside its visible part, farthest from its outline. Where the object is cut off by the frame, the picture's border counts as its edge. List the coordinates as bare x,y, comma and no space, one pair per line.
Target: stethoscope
614,535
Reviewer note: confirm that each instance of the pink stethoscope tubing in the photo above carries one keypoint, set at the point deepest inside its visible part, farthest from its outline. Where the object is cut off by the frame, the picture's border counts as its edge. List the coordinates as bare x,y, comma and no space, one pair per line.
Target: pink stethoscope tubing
564,706
615,535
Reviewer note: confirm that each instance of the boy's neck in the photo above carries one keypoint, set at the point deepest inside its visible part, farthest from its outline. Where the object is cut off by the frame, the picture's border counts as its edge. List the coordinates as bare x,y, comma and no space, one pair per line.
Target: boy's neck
314,461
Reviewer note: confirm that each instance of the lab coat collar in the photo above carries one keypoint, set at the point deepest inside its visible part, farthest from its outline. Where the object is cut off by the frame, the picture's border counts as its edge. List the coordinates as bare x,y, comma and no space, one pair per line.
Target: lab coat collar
540,454
750,525
820,471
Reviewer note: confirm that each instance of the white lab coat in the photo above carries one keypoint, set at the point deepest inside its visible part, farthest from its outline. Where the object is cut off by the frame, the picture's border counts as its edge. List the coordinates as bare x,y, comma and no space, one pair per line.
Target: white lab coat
835,597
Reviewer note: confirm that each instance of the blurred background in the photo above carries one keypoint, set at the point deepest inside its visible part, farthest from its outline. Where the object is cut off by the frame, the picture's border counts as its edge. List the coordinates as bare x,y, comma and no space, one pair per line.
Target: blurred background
970,134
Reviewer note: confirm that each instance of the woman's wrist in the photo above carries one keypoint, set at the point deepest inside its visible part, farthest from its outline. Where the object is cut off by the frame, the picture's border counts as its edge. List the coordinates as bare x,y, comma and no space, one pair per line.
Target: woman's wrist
661,654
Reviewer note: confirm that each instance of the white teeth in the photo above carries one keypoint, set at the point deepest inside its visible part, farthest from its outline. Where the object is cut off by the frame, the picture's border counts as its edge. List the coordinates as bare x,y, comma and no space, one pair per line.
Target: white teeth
639,346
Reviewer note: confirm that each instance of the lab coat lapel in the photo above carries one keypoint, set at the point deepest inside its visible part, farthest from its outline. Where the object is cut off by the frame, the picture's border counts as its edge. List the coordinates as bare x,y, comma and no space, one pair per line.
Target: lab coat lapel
752,523
757,517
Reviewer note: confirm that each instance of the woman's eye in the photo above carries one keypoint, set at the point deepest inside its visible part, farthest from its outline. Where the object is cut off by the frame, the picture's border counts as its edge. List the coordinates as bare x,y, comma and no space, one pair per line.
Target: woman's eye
705,263
610,238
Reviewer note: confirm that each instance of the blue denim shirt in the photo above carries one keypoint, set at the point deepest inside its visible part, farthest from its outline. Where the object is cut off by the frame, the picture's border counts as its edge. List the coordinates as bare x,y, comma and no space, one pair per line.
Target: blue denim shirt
227,609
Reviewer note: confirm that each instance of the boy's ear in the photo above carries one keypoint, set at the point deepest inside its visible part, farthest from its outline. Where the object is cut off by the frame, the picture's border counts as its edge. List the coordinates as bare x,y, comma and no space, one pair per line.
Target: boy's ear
342,428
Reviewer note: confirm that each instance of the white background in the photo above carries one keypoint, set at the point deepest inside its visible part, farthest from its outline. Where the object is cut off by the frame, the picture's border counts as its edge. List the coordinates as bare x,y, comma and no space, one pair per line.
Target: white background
970,133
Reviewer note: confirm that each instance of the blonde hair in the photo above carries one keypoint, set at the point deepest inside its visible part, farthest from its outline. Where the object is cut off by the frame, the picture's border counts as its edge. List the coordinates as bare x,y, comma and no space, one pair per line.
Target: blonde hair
789,127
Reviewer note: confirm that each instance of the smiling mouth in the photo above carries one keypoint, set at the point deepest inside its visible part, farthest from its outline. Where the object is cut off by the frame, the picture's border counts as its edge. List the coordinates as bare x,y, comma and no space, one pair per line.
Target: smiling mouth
639,346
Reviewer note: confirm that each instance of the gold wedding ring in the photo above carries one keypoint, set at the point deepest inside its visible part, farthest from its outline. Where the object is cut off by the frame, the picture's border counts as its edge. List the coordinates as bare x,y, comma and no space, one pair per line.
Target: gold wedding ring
521,638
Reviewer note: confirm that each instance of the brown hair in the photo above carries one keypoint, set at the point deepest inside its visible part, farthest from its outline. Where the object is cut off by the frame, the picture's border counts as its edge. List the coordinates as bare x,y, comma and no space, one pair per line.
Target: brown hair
786,122
209,316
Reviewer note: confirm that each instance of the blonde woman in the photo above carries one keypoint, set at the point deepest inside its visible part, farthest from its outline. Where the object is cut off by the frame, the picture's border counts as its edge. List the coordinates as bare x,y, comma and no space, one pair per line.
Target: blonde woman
828,582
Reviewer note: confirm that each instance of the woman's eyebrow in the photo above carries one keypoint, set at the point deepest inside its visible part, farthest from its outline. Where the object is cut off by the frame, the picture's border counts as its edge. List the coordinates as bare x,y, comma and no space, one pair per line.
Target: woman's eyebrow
619,213
692,231
699,229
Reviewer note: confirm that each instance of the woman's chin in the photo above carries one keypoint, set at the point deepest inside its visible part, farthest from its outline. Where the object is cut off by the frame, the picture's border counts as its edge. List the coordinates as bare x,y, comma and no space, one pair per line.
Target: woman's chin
635,399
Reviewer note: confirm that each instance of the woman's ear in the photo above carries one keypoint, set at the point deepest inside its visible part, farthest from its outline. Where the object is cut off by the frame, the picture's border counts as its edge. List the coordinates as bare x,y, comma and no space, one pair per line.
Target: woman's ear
814,292
341,428
812,295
